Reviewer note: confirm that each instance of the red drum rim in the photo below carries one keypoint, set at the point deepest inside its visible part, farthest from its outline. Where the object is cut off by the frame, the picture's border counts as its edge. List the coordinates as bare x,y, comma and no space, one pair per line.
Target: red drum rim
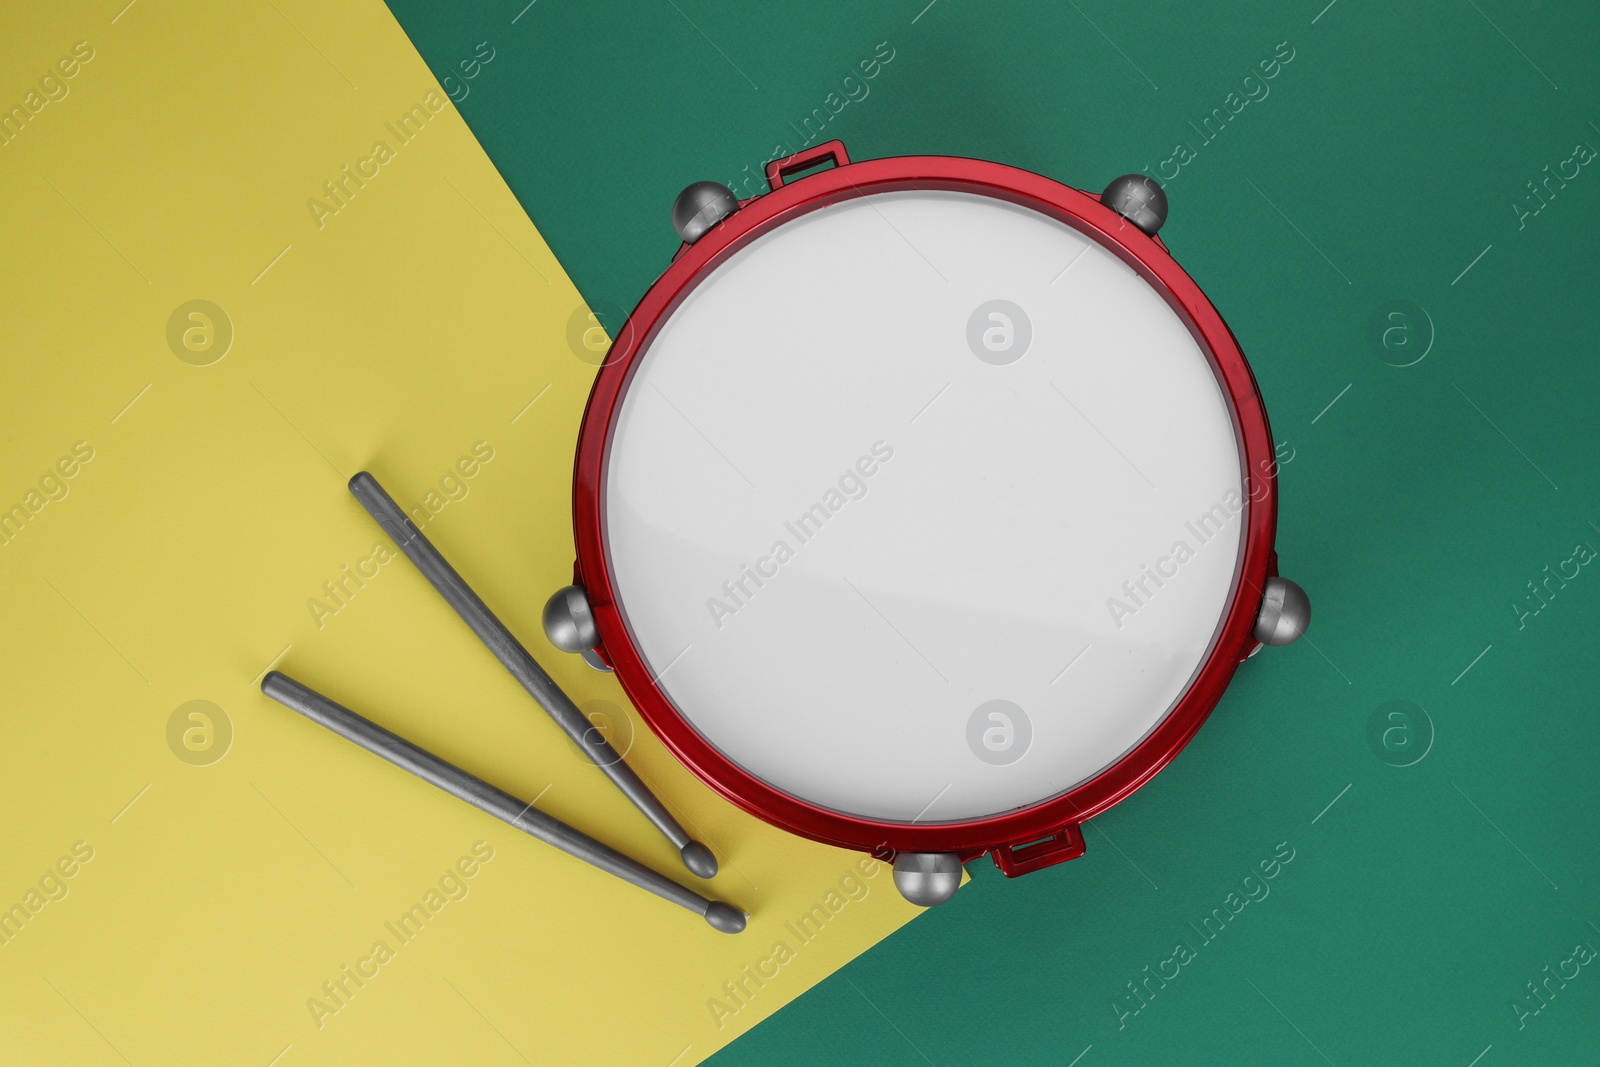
1026,838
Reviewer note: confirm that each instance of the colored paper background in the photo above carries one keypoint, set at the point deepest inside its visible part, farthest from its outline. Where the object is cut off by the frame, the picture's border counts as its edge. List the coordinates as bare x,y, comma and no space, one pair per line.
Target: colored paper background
183,514
1378,172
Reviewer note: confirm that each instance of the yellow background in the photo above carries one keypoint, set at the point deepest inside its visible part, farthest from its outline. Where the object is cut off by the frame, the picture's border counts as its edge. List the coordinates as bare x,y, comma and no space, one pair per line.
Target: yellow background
424,317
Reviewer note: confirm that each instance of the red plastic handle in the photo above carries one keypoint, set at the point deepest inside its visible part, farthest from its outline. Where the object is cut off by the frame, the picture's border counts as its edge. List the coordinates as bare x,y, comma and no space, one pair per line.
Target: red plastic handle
805,159
1065,844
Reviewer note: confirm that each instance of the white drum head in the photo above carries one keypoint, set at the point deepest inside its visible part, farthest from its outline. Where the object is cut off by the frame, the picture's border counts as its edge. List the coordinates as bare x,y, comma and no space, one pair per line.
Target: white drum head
924,507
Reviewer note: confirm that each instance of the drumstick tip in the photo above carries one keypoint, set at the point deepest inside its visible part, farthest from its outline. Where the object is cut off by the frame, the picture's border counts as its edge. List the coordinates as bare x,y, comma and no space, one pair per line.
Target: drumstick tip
726,917
699,860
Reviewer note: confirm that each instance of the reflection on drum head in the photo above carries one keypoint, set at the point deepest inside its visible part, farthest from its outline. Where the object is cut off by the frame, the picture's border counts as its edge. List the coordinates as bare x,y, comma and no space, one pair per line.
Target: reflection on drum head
892,565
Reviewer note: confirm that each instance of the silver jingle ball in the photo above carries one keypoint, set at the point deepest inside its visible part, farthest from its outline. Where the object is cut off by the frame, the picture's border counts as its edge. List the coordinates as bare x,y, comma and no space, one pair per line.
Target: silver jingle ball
1139,199
927,879
1285,613
568,622
700,207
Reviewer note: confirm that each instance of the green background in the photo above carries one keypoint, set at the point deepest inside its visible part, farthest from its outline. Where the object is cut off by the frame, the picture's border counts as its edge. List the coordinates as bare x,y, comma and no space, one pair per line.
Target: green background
1384,160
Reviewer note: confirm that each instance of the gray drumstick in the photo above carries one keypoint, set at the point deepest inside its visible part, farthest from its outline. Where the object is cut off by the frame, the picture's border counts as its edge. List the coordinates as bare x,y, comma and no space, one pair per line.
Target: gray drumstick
524,668
485,797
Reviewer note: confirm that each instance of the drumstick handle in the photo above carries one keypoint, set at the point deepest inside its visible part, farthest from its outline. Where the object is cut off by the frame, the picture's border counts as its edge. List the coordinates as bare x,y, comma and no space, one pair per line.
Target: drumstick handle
485,797
509,651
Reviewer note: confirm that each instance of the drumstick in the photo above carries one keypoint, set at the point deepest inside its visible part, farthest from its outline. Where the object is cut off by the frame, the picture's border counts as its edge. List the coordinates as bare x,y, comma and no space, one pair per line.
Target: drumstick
524,668
485,797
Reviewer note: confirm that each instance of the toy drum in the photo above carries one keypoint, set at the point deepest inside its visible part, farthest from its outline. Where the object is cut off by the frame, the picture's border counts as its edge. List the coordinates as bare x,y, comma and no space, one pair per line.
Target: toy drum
925,506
